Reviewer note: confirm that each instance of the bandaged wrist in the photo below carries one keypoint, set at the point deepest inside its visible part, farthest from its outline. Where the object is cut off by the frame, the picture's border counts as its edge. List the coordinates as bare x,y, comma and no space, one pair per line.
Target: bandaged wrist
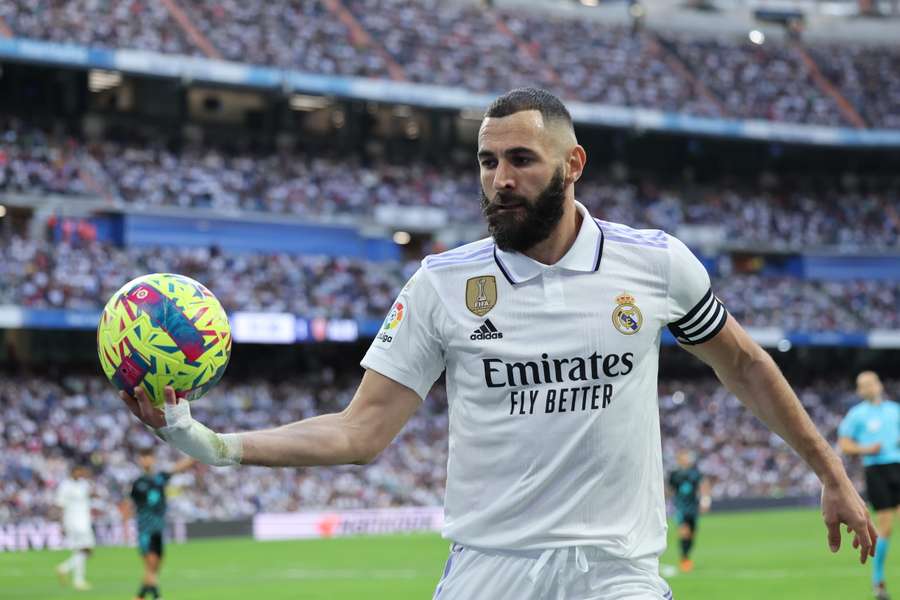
196,440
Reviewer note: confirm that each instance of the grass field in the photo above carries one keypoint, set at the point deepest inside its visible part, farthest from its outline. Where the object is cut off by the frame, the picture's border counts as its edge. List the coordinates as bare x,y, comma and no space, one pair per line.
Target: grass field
763,555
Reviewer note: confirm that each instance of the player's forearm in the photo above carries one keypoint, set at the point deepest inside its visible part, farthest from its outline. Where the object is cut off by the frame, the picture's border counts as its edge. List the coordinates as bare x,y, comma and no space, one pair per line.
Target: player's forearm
356,435
758,383
331,439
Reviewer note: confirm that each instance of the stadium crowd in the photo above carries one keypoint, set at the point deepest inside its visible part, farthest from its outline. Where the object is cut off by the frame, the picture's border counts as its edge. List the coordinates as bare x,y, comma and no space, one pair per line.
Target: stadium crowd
868,77
753,81
741,457
112,24
795,304
51,423
83,275
79,274
786,214
463,44
33,161
305,186
298,35
593,62
449,43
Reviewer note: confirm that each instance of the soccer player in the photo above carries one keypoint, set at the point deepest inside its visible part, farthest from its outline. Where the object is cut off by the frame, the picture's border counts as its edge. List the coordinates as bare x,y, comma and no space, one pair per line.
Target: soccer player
549,333
74,497
692,497
149,496
872,430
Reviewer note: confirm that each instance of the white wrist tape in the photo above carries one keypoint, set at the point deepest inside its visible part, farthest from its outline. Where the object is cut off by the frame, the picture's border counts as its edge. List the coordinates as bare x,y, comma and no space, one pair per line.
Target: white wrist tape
196,440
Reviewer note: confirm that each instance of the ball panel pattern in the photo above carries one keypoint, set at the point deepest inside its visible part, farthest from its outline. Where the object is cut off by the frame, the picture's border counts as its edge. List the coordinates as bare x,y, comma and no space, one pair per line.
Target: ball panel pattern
164,329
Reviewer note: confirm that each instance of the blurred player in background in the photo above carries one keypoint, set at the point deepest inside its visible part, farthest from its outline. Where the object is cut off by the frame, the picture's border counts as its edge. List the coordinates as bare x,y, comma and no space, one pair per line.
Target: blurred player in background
872,430
149,496
555,484
73,496
692,498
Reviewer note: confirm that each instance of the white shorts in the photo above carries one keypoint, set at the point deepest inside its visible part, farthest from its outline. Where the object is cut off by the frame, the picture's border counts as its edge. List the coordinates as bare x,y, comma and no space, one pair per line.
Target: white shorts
575,573
78,538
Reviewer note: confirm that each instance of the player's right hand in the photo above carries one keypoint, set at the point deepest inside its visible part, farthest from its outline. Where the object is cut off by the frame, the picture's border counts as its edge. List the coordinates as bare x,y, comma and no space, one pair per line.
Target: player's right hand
143,408
178,428
873,449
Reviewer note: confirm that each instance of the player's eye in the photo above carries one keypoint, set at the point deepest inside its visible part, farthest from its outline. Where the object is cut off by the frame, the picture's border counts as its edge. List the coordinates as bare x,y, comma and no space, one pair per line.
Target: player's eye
489,163
521,161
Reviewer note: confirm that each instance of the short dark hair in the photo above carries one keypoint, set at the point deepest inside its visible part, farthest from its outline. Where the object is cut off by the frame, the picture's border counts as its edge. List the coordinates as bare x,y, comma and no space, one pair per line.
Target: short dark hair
519,99
147,451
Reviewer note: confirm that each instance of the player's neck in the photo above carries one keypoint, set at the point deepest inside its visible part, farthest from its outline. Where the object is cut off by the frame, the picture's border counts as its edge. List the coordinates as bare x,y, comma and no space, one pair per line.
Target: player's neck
561,239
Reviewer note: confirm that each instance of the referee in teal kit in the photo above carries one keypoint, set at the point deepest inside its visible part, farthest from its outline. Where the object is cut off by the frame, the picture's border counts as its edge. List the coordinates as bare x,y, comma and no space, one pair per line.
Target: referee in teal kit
872,430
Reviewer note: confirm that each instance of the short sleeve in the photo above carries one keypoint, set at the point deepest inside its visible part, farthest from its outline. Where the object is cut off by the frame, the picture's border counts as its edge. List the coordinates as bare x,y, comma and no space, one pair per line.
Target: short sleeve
848,428
695,314
408,347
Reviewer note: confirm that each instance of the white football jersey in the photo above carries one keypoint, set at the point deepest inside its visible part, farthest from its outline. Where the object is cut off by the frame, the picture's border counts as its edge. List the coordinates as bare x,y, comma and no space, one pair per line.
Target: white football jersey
551,377
74,496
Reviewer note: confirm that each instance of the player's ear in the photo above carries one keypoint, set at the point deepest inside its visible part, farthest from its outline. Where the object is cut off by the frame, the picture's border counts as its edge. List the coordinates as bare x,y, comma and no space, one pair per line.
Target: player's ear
576,159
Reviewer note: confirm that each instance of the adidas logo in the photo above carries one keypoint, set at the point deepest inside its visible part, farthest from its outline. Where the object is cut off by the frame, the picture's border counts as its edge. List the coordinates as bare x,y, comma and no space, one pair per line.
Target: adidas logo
487,331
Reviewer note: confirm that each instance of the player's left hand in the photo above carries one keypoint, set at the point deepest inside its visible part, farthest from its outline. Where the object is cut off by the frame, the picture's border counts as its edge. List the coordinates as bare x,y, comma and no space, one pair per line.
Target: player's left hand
842,504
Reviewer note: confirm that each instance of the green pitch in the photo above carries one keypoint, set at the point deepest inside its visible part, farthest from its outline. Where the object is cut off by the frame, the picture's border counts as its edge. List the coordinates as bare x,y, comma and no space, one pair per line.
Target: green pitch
745,556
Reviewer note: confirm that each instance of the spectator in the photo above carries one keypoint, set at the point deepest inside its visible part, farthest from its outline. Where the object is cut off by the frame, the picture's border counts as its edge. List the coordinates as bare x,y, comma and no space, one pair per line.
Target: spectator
47,422
83,273
786,216
467,46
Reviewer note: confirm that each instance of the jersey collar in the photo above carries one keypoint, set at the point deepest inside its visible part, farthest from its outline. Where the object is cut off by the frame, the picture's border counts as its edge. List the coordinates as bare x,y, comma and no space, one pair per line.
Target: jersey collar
583,256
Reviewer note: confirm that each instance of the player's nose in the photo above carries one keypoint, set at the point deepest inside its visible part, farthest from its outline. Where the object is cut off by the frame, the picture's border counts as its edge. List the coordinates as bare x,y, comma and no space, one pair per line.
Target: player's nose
503,177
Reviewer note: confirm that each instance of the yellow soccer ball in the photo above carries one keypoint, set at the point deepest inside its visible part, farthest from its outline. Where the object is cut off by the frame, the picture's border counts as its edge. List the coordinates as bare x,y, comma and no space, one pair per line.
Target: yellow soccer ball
164,329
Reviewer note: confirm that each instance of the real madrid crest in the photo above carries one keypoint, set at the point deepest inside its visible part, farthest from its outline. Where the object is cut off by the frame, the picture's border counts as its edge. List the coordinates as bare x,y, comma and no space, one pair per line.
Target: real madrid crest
626,316
481,294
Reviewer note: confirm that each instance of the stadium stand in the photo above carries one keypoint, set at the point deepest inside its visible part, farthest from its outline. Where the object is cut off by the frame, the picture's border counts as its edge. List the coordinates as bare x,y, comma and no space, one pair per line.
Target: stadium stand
482,50
69,190
49,423
766,81
868,76
80,274
609,65
120,24
299,35
789,213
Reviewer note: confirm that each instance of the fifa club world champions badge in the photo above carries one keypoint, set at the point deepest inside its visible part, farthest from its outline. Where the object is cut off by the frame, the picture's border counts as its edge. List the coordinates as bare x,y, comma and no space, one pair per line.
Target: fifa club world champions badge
481,294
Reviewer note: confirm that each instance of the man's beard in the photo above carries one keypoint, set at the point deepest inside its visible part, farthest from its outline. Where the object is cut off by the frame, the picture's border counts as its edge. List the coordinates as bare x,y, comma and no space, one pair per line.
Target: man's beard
520,233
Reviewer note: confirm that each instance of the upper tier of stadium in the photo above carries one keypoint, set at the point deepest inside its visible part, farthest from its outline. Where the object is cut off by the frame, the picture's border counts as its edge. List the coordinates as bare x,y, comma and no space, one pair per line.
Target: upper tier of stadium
846,213
467,46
